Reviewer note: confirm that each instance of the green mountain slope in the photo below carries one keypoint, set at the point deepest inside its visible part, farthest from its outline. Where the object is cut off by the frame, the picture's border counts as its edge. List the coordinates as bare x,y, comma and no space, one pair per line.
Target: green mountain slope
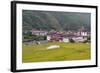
48,20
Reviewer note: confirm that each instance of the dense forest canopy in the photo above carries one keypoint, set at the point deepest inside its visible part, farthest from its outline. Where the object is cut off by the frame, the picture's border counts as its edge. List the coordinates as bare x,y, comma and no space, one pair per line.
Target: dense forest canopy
50,20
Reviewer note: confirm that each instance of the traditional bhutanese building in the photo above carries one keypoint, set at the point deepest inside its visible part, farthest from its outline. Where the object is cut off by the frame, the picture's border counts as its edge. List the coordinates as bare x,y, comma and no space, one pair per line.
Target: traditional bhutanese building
39,32
80,35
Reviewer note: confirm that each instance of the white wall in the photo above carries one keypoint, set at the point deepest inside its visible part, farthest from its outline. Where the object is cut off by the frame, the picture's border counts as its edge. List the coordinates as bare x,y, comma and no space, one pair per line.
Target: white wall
5,36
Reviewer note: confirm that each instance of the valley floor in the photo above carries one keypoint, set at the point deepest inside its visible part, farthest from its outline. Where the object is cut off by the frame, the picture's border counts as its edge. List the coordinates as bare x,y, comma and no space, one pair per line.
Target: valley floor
66,52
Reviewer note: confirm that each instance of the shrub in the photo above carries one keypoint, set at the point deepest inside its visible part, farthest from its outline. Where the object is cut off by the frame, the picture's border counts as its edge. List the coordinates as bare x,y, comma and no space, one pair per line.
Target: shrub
71,40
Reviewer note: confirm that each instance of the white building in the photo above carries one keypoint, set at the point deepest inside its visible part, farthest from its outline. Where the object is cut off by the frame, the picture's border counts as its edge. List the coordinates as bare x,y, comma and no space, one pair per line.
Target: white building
66,40
39,32
48,37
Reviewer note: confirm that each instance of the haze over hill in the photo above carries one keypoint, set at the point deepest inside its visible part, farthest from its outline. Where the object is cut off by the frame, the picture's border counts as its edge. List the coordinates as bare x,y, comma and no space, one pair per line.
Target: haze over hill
50,20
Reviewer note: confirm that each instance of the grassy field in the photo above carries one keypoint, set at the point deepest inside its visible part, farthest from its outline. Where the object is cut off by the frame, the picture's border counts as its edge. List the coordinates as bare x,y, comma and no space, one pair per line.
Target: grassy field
67,51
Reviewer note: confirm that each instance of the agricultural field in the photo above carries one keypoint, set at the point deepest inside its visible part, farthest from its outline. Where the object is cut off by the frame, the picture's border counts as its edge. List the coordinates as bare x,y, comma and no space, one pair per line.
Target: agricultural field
66,52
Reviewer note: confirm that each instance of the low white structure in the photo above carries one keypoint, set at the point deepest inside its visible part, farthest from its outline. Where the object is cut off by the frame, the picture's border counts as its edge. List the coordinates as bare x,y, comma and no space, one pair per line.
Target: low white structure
53,47
79,39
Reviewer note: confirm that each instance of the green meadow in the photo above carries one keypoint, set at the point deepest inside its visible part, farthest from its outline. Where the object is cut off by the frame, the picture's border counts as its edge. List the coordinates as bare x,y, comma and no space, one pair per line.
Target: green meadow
66,52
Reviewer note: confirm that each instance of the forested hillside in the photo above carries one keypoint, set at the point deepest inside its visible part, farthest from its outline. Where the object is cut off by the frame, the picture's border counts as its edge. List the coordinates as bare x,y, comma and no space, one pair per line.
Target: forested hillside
48,20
